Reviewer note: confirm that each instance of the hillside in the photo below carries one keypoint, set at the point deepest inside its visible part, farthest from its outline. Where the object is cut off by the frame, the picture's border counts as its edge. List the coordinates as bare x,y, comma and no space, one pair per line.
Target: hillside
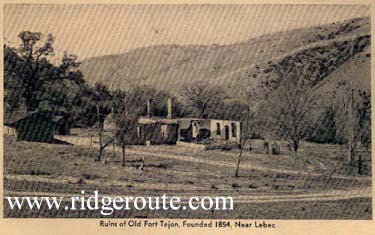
324,49
357,70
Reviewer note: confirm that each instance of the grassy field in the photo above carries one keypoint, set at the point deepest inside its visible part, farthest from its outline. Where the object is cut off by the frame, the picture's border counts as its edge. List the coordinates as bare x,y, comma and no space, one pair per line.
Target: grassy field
304,189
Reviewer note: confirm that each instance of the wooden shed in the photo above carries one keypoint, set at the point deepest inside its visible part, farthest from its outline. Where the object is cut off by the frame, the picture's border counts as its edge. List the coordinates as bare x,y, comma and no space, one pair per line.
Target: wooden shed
38,126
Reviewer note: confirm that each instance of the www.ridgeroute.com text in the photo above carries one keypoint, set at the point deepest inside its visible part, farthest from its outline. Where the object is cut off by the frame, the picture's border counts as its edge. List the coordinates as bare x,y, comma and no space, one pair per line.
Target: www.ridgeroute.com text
108,204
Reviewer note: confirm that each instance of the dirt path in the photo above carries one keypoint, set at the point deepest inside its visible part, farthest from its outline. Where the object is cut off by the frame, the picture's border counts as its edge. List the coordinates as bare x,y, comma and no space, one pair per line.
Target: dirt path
331,195
100,183
86,142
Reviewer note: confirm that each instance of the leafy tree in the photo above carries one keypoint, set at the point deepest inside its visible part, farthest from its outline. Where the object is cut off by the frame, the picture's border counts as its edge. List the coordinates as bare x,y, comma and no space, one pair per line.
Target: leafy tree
33,82
13,67
324,129
34,54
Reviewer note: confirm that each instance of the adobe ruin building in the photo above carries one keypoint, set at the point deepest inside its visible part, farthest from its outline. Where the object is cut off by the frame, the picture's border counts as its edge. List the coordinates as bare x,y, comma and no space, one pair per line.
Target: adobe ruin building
170,130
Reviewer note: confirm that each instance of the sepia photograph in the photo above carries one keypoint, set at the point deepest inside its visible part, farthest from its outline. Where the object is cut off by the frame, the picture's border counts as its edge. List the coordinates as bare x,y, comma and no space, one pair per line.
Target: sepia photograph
187,111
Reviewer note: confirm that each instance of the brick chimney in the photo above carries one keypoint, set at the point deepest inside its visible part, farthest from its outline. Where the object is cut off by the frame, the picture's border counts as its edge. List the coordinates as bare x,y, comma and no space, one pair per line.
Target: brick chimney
170,107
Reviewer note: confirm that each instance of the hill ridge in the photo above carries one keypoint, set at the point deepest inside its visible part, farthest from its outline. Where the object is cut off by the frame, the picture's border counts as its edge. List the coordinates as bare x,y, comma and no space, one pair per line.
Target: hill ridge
170,67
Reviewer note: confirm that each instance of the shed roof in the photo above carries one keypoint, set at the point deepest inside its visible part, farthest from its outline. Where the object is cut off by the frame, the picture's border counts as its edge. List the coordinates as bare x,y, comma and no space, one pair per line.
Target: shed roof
13,118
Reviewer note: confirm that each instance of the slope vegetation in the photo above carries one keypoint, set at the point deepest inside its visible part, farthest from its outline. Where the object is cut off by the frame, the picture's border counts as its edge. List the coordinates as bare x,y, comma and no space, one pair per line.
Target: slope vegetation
323,49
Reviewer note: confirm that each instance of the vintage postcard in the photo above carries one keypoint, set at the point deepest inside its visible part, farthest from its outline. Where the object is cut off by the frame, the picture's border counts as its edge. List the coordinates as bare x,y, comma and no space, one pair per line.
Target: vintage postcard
183,117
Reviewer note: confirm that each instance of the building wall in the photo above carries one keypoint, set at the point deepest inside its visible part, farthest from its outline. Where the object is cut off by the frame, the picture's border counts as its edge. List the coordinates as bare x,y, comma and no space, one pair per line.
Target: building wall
210,126
158,133
62,128
109,123
9,130
234,127
194,130
37,130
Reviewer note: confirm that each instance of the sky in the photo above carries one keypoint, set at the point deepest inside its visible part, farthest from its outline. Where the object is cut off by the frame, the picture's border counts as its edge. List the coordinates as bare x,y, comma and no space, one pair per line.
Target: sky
96,30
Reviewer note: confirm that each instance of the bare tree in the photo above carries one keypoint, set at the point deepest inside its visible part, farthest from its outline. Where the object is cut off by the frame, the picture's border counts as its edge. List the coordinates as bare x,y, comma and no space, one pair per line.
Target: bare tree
287,109
351,126
126,112
103,99
353,110
248,125
105,102
100,133
125,123
356,116
203,97
351,118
